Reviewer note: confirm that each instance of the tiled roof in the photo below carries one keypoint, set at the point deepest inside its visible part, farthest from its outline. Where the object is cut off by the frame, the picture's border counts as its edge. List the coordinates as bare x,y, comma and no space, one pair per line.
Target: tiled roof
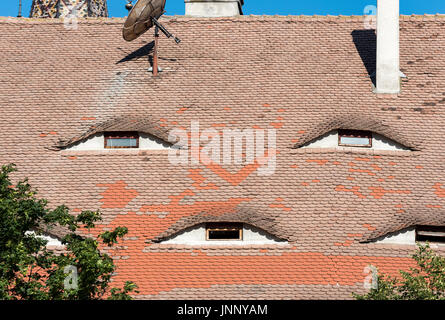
302,76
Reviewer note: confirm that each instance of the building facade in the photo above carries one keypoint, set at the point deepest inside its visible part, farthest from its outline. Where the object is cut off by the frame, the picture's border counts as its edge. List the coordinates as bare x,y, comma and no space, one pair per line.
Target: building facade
64,8
349,176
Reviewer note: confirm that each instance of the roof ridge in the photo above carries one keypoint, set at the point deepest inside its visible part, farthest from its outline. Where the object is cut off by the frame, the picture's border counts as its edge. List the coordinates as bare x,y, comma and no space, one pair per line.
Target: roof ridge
251,17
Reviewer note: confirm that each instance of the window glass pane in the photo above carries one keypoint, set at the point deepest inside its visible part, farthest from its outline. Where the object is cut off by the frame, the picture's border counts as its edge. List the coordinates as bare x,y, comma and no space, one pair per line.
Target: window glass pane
422,238
122,143
224,235
354,141
224,231
430,233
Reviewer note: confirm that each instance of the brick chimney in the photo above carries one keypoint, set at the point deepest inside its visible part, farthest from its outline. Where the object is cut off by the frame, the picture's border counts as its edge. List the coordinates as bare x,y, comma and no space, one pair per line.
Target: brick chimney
388,64
63,8
213,8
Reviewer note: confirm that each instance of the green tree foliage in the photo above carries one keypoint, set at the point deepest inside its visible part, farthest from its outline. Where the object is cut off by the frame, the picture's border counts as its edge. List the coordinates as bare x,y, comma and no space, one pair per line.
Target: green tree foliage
426,281
28,270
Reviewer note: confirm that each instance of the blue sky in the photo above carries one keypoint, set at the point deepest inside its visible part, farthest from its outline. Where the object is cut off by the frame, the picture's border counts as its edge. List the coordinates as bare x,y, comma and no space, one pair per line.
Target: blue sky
281,7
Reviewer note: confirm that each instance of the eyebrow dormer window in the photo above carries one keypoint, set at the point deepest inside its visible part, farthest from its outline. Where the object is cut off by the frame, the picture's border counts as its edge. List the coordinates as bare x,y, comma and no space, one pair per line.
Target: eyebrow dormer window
433,234
121,140
224,231
354,138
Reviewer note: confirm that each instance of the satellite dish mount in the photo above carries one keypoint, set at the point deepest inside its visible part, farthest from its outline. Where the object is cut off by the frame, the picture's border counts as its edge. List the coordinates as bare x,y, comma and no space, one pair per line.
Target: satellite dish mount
142,17
158,27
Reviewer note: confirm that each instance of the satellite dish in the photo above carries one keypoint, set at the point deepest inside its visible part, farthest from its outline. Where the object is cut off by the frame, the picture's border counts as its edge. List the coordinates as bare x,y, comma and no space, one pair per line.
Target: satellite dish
143,16
140,18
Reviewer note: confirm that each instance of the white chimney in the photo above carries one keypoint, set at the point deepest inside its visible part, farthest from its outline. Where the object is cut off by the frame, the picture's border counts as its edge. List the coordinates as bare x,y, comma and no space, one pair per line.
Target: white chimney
213,8
388,64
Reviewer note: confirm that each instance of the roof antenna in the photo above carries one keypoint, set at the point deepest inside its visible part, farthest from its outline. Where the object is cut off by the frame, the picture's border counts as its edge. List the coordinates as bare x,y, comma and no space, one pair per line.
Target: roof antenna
142,17
19,15
129,5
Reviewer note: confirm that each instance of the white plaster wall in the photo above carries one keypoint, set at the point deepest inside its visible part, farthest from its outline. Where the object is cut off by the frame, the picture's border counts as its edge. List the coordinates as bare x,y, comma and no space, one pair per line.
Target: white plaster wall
211,8
149,142
380,142
52,241
330,140
407,236
197,236
95,142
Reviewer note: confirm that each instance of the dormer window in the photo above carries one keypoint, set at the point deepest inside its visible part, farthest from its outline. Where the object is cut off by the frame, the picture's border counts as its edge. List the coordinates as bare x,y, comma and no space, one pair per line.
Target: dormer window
121,140
224,231
347,139
117,141
434,234
411,235
354,138
221,234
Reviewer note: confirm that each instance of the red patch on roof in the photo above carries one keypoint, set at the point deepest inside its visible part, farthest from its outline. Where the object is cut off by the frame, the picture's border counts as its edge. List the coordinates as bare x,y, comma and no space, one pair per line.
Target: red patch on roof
440,192
354,190
117,195
379,192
